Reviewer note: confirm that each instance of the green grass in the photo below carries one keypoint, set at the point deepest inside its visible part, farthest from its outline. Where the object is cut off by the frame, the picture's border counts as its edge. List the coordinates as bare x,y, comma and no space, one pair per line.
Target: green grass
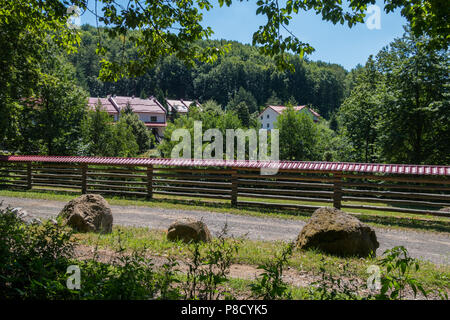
374,218
255,253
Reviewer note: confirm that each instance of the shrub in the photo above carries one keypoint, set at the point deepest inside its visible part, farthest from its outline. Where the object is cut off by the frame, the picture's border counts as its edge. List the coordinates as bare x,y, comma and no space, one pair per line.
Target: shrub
33,259
270,285
208,271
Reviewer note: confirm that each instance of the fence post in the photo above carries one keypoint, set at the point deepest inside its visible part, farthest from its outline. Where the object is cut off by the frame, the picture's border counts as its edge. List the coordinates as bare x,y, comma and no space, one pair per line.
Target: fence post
84,168
149,182
337,190
29,176
234,188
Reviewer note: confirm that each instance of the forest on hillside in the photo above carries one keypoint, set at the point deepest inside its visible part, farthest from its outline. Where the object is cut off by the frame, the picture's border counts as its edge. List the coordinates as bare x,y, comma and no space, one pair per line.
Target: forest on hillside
321,85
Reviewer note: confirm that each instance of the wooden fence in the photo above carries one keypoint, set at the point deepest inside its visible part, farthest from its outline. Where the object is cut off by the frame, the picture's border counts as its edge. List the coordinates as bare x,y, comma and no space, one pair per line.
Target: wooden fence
302,189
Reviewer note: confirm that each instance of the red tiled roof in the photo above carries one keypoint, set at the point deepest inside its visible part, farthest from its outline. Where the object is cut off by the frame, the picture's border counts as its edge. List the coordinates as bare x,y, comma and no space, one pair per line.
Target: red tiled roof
150,105
283,165
113,105
106,104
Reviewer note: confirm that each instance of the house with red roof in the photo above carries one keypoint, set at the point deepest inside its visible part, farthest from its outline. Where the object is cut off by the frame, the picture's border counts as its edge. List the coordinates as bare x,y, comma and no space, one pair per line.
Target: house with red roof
270,114
150,111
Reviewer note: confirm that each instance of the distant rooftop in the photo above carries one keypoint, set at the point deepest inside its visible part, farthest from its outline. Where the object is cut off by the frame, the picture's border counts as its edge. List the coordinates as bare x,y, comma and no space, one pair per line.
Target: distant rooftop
138,105
280,109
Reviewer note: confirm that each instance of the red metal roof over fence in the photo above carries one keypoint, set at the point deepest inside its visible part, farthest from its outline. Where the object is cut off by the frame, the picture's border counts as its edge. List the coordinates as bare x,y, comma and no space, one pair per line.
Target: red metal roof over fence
284,165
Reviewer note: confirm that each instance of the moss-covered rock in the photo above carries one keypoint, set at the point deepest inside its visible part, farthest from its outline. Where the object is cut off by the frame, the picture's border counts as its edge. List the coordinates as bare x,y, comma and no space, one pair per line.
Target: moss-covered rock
336,232
188,230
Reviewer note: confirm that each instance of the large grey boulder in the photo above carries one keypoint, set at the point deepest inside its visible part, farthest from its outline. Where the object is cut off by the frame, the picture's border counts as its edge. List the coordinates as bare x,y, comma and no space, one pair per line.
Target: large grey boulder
187,230
88,213
336,232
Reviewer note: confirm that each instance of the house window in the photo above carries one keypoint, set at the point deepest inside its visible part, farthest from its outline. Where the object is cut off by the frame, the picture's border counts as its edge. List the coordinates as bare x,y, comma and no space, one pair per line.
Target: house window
153,119
267,125
267,116
261,117
262,125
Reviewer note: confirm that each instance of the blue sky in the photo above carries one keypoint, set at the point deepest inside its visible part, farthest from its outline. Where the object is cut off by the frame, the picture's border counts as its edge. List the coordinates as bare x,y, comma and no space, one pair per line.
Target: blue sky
333,43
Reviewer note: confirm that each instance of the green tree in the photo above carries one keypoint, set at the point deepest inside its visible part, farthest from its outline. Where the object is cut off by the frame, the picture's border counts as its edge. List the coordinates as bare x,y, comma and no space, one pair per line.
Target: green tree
298,135
97,132
242,96
124,142
139,130
360,112
414,126
102,137
59,109
243,114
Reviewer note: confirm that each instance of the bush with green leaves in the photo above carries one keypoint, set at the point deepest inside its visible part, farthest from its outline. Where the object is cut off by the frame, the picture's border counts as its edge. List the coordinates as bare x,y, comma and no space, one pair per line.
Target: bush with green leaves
330,287
208,269
398,268
270,284
33,258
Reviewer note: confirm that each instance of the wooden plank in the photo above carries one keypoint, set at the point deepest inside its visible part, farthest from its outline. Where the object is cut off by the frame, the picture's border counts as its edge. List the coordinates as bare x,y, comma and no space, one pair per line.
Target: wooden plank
287,184
191,176
398,202
285,177
132,193
106,187
24,171
202,171
397,179
278,205
13,176
391,194
193,189
211,196
329,194
14,185
71,182
54,165
298,171
279,197
393,209
57,176
193,183
118,175
122,182
50,170
115,170
394,186
69,186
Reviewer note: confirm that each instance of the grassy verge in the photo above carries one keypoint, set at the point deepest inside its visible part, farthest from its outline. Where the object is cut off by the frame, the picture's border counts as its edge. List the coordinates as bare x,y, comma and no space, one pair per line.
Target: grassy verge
255,253
378,219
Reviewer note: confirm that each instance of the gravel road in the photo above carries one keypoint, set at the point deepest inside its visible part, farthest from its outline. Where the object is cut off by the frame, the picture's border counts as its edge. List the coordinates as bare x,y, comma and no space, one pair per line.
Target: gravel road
434,247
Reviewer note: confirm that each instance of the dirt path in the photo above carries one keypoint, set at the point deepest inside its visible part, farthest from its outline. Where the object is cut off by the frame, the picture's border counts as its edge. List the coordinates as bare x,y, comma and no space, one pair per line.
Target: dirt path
434,247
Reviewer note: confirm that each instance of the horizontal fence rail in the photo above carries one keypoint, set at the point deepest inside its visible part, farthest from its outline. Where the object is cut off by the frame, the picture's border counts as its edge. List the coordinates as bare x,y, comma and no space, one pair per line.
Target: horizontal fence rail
417,190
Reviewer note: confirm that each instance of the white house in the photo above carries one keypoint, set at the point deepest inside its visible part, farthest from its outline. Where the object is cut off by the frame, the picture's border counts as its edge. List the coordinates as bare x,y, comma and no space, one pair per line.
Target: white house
150,111
269,116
